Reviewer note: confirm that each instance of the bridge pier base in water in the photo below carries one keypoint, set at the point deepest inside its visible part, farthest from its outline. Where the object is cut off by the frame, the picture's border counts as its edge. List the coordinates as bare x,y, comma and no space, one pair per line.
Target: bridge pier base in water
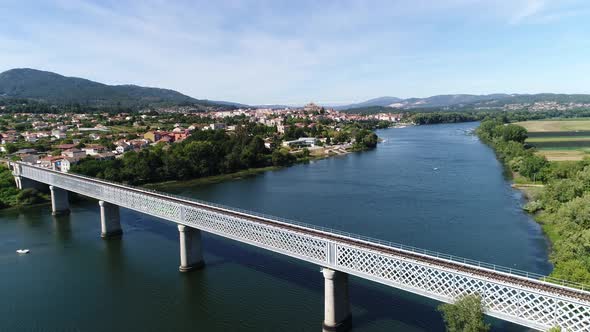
60,204
191,255
110,220
337,315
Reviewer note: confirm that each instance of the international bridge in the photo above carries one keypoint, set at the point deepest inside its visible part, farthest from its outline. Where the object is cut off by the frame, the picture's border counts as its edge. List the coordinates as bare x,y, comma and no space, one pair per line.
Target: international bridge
527,299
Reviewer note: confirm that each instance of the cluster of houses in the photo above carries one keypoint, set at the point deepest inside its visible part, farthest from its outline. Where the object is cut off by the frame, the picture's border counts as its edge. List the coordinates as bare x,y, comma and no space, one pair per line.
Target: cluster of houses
7,137
69,155
310,112
159,136
58,127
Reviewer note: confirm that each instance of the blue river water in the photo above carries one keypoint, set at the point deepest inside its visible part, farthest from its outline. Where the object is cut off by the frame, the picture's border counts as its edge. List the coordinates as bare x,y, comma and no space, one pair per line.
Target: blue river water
435,187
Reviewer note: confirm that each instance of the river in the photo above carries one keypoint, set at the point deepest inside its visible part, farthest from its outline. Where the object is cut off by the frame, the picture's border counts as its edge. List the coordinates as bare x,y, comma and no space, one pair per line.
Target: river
435,187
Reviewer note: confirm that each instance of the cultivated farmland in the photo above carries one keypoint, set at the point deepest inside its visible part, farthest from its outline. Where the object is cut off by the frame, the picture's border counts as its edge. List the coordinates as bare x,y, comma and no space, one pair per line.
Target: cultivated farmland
559,140
568,125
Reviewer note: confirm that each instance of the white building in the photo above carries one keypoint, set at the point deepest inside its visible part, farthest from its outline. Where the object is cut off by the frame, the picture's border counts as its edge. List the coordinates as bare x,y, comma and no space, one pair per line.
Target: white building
121,148
302,142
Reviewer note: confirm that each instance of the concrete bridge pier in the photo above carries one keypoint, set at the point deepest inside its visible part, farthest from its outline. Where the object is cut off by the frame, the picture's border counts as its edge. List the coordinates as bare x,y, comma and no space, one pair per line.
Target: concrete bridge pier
110,220
59,201
191,254
18,182
337,315
24,183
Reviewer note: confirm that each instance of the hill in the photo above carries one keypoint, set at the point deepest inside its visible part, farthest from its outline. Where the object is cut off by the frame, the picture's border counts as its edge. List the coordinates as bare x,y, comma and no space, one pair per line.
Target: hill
53,88
463,101
447,100
433,101
381,101
535,98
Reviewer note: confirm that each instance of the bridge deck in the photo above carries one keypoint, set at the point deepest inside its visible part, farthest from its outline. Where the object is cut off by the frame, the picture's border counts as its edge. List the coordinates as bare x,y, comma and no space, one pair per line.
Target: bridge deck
475,270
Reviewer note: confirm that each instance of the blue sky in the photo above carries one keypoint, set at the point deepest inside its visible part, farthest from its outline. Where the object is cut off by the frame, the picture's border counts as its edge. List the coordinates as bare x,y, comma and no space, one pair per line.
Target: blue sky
298,51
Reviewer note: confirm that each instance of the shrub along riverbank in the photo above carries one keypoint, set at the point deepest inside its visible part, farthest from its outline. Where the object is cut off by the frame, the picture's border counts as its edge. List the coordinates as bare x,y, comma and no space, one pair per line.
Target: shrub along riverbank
562,206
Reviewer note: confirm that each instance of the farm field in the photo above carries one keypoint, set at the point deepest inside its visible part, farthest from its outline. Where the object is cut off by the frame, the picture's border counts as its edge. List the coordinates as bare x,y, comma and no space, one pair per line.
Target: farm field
569,125
559,140
563,155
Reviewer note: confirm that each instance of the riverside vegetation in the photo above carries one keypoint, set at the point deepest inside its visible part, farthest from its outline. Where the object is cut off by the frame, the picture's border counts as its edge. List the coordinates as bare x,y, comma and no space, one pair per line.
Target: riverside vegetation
465,315
207,153
561,206
10,196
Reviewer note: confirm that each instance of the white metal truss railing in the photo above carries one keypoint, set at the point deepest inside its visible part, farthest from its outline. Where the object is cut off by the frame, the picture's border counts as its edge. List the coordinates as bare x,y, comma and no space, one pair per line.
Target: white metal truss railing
525,301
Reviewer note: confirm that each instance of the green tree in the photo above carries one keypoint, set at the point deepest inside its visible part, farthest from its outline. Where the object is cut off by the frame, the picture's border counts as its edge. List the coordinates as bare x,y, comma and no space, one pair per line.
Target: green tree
560,191
535,167
11,148
341,137
514,133
29,196
465,315
282,157
8,189
370,140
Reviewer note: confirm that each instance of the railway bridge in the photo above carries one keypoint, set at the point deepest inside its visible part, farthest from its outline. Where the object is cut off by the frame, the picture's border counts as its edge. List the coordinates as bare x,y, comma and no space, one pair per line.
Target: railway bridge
531,300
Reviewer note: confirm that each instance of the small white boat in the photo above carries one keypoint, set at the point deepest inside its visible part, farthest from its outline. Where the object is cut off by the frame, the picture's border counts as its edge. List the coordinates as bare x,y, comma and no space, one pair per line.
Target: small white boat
23,251
435,169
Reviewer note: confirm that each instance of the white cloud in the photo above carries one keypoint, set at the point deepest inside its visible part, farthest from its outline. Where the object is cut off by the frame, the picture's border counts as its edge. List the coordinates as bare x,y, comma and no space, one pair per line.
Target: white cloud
530,8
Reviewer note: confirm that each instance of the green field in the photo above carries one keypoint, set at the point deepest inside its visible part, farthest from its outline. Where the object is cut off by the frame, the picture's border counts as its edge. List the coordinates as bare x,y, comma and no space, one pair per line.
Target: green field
567,125
559,140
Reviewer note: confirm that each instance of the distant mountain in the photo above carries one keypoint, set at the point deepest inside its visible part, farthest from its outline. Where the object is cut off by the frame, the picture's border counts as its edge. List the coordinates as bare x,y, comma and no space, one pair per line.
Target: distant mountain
57,89
447,100
534,98
227,103
381,101
434,101
276,106
467,102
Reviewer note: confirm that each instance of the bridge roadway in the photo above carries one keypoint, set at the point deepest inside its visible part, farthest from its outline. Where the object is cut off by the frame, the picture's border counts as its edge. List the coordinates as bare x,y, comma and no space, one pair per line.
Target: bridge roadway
520,297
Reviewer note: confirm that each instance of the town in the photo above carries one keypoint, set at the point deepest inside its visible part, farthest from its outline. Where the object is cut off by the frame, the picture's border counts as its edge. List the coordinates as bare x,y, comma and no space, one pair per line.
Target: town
60,140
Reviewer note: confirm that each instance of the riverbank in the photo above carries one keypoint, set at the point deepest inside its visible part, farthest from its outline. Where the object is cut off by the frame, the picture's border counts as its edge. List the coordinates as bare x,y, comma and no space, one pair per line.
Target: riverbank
248,172
211,179
529,191
559,203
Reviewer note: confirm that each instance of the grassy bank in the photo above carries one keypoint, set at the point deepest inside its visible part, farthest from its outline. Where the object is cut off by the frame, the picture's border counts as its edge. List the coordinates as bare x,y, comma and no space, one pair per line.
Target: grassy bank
530,191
